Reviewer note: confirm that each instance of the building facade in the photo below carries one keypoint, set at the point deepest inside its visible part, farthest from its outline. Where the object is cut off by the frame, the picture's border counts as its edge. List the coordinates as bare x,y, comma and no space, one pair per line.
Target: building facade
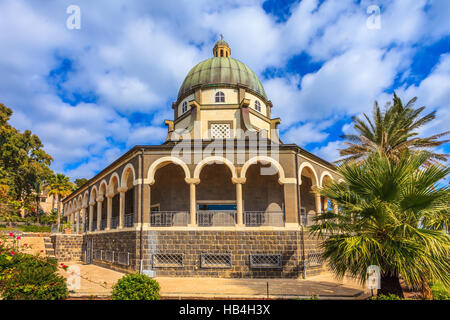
222,196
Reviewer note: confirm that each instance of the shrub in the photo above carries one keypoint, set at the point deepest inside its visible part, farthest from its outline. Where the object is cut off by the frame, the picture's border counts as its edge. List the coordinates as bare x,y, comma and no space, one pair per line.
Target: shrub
33,228
136,287
28,277
440,292
387,297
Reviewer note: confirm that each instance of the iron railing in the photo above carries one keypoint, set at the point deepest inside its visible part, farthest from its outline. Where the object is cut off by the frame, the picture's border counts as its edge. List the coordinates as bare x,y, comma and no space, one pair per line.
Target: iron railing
215,260
209,218
264,218
169,218
114,222
129,220
103,224
307,219
161,260
265,261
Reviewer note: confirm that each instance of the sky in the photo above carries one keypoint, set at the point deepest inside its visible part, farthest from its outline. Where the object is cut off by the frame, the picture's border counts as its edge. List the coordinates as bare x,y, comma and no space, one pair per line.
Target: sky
93,93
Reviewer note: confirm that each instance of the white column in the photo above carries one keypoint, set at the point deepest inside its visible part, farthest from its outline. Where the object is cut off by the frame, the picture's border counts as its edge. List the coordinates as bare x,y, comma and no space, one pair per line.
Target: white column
318,204
239,204
91,215
193,205
83,218
109,197
99,212
77,216
122,191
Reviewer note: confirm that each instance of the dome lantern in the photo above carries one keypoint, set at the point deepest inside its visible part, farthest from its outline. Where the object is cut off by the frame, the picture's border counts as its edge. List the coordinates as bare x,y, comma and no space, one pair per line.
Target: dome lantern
221,48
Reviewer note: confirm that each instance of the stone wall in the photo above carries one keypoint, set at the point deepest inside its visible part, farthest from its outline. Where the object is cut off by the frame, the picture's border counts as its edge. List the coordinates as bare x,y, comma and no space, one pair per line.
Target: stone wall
239,245
68,247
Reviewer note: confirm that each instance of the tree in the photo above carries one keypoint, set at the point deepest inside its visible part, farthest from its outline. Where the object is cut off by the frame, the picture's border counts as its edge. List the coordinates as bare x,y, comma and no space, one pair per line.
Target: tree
81,182
391,132
382,204
23,162
59,186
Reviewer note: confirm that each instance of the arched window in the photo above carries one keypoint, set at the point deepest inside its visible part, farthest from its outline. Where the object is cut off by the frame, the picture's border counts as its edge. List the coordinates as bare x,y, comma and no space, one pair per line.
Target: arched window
184,107
220,96
257,106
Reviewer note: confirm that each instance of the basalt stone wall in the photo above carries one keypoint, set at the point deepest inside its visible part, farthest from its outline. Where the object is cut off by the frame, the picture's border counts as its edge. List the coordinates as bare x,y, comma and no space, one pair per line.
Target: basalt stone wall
239,245
68,247
114,250
179,253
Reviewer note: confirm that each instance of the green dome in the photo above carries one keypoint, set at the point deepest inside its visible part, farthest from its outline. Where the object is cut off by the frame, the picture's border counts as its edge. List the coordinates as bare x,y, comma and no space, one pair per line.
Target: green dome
221,71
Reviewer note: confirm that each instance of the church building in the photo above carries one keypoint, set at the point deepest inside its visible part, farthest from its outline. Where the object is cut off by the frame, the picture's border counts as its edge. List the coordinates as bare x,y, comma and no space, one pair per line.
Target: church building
223,196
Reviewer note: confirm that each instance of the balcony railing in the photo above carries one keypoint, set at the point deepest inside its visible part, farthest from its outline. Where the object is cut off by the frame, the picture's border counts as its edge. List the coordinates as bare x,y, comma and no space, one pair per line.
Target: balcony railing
307,218
169,218
114,222
129,220
264,218
208,218
103,224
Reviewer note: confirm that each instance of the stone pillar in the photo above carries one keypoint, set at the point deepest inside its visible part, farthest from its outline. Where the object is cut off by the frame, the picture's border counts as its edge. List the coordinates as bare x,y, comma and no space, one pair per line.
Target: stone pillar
99,212
109,197
91,215
325,204
72,221
193,201
77,217
290,202
83,218
239,204
318,205
122,191
147,203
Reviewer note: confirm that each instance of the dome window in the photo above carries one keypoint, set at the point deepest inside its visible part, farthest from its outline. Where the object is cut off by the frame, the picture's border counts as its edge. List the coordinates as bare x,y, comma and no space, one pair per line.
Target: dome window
257,106
184,107
220,97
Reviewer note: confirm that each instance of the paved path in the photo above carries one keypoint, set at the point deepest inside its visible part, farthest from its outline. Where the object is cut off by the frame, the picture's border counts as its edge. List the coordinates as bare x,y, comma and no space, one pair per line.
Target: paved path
97,281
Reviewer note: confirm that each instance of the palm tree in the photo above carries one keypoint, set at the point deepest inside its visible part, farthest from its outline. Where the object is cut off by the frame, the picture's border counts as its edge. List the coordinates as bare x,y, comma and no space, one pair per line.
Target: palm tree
391,132
60,186
382,204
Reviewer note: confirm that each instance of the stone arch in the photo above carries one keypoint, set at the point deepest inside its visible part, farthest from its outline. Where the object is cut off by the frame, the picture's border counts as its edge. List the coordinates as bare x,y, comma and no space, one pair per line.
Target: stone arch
281,177
85,202
111,181
79,202
217,160
309,166
94,194
323,175
103,189
158,163
126,171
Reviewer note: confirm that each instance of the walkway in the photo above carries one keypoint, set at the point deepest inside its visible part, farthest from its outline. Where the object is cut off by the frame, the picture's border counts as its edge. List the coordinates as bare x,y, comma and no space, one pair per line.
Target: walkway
97,281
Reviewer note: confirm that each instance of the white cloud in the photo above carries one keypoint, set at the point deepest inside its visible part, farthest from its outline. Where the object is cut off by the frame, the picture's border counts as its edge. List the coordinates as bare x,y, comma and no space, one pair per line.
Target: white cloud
133,56
329,152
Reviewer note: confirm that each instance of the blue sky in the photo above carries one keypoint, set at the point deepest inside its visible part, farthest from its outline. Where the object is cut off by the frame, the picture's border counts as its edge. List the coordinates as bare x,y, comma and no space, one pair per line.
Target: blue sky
91,94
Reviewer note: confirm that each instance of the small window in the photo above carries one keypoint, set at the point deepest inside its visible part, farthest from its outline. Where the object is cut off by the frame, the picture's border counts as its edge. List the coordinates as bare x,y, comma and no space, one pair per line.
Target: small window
257,106
221,52
43,199
184,107
220,97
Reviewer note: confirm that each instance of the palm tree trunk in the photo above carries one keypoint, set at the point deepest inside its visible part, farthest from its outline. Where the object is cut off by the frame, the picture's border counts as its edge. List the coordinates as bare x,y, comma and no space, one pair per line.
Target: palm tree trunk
427,294
390,284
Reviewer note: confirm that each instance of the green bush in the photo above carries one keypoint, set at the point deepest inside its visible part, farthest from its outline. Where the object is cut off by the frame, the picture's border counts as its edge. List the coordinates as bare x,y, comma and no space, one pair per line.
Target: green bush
28,277
136,287
385,297
440,292
33,228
